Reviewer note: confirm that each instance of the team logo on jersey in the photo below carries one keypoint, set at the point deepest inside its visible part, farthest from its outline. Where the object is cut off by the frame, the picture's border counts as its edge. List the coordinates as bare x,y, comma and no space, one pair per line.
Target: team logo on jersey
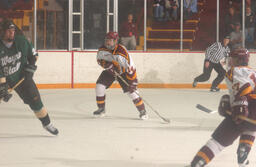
10,59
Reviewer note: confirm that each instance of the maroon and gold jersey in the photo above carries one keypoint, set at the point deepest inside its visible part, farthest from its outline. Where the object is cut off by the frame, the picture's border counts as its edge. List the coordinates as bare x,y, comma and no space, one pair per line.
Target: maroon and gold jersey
120,58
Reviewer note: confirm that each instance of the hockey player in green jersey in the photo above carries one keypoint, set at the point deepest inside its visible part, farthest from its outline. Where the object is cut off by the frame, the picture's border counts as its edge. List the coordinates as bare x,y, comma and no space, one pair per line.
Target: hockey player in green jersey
17,61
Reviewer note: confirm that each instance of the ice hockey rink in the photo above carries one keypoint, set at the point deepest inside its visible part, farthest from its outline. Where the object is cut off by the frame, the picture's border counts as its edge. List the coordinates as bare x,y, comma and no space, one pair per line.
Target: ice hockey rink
118,140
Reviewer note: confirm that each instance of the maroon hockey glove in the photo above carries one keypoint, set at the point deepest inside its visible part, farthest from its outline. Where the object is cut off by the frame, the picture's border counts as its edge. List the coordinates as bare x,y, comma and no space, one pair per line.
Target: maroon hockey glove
240,110
104,64
113,70
109,66
224,105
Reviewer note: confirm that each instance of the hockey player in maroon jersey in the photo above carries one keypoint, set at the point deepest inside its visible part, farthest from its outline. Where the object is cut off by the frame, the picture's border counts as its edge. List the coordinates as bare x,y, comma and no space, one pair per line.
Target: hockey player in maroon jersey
115,59
241,101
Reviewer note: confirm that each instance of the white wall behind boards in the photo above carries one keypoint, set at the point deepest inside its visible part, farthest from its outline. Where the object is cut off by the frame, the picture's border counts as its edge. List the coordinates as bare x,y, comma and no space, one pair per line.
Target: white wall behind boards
53,68
152,67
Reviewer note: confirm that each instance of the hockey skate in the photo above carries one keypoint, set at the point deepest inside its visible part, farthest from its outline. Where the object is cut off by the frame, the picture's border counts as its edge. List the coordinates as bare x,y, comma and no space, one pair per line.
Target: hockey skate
244,164
194,84
50,128
198,163
215,89
143,115
242,154
99,113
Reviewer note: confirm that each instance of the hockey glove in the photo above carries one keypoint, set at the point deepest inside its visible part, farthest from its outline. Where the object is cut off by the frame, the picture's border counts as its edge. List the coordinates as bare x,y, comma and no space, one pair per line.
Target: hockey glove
109,66
4,94
224,105
240,110
29,71
104,64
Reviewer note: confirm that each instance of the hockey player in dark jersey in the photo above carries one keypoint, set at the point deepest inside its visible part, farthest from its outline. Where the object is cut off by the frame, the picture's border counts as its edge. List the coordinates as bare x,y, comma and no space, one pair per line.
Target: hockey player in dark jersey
115,60
241,101
17,61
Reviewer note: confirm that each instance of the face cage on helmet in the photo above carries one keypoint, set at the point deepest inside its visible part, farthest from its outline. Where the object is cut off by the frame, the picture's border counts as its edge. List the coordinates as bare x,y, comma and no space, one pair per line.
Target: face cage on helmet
111,47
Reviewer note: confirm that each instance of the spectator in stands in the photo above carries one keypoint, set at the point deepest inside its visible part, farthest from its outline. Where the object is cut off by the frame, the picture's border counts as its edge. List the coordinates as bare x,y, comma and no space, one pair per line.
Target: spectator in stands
249,27
252,4
128,33
230,19
236,4
171,9
158,6
236,37
190,8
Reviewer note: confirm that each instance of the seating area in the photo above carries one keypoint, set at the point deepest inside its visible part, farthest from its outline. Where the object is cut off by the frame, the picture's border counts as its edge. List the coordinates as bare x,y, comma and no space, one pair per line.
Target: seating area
19,11
165,35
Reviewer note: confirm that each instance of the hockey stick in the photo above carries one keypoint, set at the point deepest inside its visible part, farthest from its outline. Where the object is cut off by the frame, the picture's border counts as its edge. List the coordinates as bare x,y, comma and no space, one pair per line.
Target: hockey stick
203,108
157,113
15,86
207,110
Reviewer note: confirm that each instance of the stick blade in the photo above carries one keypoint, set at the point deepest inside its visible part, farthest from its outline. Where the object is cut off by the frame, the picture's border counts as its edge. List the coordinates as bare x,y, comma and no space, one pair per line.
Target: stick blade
166,120
207,110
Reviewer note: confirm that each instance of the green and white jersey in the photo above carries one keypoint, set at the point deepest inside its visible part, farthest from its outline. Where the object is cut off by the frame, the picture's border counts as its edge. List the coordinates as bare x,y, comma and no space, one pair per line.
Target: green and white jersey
13,59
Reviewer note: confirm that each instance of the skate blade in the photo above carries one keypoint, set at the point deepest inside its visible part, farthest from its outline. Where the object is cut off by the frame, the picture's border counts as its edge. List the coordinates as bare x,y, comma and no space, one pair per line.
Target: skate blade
99,116
144,117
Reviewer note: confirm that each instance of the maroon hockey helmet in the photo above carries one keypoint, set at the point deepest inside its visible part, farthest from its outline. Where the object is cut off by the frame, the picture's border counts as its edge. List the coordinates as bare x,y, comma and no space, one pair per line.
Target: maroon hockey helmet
242,54
112,35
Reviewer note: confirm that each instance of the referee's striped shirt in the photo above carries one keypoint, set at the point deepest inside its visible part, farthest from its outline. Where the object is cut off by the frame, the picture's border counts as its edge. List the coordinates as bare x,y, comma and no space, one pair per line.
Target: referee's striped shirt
216,52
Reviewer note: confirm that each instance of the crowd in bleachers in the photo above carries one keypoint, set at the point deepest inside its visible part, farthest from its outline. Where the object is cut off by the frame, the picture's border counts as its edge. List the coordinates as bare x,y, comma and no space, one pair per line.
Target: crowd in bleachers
167,10
162,10
233,22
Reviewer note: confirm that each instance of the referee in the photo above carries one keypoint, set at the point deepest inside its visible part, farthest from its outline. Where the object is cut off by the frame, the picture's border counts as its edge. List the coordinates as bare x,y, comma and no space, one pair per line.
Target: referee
213,56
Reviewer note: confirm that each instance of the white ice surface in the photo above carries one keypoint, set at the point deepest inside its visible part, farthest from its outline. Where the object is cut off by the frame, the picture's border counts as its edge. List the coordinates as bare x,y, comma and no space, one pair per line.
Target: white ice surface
118,140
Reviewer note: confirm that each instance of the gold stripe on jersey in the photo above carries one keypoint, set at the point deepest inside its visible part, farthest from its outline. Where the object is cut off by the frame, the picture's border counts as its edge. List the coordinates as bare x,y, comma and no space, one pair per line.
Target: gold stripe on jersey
204,156
229,74
246,141
120,50
253,96
114,51
246,91
100,102
125,50
123,69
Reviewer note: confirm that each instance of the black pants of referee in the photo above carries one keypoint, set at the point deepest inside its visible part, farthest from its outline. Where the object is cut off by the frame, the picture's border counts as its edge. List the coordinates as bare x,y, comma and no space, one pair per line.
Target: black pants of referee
207,73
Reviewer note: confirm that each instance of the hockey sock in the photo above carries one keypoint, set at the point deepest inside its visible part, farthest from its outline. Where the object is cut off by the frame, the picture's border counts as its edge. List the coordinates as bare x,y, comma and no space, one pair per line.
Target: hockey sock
137,101
205,155
100,95
247,139
100,101
139,104
207,152
43,116
45,120
245,143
